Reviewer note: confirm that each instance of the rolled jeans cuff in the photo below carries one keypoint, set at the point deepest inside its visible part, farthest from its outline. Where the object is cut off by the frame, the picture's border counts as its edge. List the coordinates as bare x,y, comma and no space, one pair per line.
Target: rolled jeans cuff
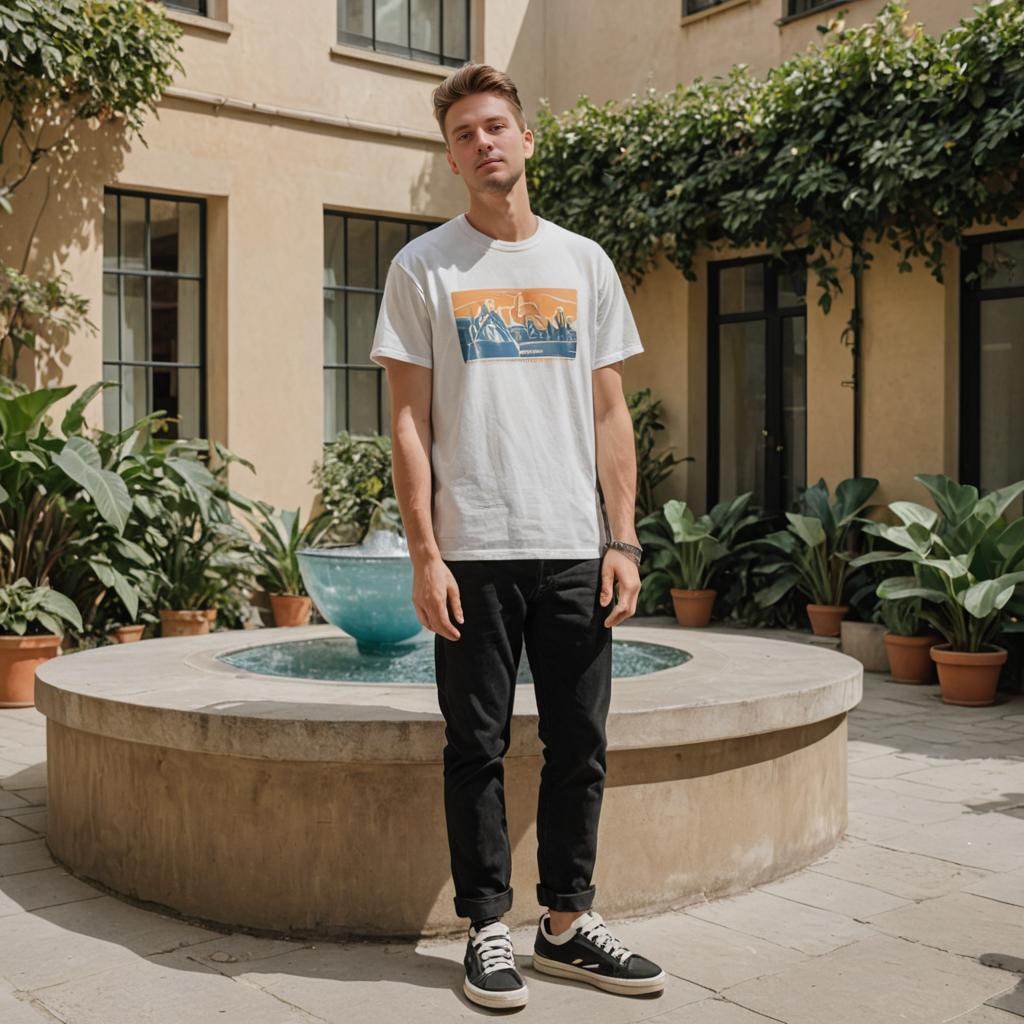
478,907
565,900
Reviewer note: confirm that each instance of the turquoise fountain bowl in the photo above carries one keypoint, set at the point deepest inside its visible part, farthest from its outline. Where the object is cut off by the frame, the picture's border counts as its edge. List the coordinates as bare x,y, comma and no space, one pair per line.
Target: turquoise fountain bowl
369,597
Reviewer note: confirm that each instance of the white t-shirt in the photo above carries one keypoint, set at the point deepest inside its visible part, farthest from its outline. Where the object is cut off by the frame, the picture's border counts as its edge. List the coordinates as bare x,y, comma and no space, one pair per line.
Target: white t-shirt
513,332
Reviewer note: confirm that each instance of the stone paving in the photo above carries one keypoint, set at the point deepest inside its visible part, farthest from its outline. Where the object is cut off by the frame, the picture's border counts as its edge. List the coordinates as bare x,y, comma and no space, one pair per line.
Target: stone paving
917,916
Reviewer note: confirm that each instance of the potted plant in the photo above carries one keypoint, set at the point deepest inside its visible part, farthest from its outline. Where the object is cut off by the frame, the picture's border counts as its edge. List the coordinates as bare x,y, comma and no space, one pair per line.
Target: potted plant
30,633
815,552
688,551
280,538
968,568
907,643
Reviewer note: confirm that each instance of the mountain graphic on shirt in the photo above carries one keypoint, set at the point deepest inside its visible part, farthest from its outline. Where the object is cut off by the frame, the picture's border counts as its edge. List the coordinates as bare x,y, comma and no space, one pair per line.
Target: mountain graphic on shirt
516,323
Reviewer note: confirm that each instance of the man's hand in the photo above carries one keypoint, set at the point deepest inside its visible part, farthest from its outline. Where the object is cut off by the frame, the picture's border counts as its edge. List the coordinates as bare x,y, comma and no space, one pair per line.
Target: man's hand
433,586
618,566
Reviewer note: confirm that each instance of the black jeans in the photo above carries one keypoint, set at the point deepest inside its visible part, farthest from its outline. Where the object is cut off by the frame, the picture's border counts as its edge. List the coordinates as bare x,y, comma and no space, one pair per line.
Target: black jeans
554,606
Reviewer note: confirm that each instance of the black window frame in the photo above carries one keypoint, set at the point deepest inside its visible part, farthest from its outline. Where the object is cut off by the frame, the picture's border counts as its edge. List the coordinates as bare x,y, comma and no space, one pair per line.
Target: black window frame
377,291
972,294
791,13
773,315
371,42
201,10
149,274
699,6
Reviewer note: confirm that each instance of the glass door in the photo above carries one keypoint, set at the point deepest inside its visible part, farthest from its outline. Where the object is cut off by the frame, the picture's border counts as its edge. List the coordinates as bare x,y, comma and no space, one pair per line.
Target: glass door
757,380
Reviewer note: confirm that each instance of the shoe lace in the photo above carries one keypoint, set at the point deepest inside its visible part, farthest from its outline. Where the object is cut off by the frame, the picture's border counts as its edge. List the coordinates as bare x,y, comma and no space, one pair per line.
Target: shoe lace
493,943
597,931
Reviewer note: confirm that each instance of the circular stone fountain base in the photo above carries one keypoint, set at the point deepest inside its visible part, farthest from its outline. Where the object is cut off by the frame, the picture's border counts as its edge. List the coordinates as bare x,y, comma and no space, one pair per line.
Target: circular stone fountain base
316,809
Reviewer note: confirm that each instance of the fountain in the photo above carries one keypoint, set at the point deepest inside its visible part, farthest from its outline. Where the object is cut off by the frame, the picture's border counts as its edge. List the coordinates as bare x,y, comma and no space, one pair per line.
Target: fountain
290,781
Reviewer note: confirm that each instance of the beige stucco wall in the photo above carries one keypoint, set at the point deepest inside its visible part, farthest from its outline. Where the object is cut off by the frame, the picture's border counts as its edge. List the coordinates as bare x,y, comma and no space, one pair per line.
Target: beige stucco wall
268,175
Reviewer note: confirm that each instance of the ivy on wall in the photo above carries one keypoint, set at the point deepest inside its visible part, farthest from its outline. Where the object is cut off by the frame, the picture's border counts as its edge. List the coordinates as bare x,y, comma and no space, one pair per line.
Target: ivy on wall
879,133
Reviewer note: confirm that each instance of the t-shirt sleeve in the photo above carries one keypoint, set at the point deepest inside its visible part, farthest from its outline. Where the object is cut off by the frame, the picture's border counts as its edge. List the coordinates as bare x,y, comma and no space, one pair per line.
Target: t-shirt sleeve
617,336
403,324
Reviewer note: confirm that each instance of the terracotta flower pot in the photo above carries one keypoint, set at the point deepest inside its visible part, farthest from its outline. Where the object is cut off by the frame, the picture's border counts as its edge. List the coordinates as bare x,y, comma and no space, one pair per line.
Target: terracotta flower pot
825,618
910,659
126,634
693,607
291,609
186,623
20,656
969,678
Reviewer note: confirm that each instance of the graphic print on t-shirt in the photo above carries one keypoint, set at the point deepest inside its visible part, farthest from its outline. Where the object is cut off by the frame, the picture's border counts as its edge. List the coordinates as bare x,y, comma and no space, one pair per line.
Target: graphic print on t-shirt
516,323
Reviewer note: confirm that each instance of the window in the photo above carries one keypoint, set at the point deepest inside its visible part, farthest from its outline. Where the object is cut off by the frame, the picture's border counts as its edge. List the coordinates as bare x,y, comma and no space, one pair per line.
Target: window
696,6
992,362
190,6
796,8
757,380
357,253
429,30
154,301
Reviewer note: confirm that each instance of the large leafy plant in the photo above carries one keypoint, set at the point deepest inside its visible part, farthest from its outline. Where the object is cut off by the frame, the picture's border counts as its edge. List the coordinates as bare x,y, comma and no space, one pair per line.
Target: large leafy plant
812,553
688,550
967,560
353,478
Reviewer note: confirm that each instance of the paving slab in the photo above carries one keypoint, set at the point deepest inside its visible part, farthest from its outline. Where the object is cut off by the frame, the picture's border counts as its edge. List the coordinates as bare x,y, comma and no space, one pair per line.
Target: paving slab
12,801
158,991
709,1011
782,921
985,1015
910,875
1007,887
1012,1000
959,923
881,980
851,899
49,887
991,841
18,857
13,832
19,1011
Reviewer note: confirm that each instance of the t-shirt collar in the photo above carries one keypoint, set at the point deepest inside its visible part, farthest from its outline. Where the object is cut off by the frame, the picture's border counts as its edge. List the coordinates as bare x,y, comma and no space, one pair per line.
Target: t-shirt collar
496,244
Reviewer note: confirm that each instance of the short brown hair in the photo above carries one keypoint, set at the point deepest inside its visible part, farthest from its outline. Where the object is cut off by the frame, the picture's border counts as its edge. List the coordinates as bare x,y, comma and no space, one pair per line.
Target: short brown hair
474,78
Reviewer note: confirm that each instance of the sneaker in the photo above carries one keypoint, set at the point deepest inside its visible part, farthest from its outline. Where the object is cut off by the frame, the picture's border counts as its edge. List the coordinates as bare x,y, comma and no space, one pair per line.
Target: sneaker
491,976
594,955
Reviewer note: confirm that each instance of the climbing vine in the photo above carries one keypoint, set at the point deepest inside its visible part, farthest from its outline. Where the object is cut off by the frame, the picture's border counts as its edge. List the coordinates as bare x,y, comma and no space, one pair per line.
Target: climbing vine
877,133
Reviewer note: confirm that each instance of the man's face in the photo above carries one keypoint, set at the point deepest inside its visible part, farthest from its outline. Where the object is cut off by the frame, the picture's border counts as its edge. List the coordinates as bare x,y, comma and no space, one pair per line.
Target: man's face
485,144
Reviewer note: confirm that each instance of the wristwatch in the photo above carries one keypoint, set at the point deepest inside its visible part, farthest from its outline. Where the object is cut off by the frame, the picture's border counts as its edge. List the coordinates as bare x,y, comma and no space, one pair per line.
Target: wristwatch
634,552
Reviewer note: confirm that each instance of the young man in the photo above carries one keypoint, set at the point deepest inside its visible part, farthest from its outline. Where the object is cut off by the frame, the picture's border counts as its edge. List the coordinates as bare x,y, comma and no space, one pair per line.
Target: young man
503,336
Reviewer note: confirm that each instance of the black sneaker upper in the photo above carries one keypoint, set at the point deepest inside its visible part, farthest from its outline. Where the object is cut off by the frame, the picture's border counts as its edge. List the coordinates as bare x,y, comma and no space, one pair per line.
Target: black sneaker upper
491,947
593,948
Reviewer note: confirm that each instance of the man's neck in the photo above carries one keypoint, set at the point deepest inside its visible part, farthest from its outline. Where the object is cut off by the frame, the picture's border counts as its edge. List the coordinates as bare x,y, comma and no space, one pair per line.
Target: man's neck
509,222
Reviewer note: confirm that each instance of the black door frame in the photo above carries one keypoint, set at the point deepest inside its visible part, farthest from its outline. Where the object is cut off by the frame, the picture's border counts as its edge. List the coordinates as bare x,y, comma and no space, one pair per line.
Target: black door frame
971,298
773,315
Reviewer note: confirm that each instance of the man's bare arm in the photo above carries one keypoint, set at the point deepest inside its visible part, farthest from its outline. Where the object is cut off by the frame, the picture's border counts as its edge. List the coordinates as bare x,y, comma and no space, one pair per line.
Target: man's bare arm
410,388
616,469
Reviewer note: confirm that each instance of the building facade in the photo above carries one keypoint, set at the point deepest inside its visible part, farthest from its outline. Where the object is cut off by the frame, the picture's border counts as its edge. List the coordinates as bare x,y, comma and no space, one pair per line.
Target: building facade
234,262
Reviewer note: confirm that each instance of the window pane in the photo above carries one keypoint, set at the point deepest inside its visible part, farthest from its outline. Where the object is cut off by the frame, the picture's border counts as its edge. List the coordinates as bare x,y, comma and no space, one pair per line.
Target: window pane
415,230
192,6
1002,395
1009,259
133,233
426,34
109,232
794,408
334,250
334,327
792,287
111,400
133,318
175,320
741,289
362,254
355,18
742,409
362,390
177,392
455,14
392,23
110,318
163,235
133,394
334,403
392,238
362,316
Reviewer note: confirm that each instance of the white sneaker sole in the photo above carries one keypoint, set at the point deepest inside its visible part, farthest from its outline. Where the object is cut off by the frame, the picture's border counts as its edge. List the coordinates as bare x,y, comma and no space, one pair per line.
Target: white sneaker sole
495,1000
622,986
